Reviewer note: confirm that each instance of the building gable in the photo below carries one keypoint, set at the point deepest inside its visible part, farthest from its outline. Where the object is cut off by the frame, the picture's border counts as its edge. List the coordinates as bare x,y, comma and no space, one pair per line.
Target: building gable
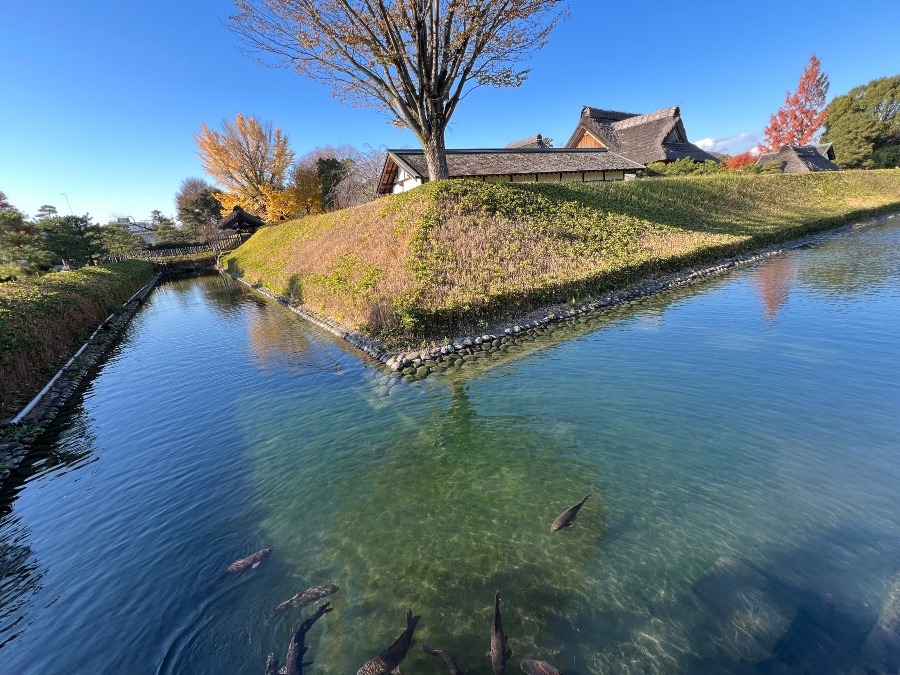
658,136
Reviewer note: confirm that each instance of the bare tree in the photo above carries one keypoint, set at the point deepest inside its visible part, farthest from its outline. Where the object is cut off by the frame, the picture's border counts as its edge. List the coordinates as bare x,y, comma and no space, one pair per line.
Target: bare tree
361,182
414,58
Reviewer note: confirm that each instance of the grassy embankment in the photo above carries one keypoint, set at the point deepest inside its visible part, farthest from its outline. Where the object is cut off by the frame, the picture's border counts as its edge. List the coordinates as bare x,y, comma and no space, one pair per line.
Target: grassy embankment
44,320
438,260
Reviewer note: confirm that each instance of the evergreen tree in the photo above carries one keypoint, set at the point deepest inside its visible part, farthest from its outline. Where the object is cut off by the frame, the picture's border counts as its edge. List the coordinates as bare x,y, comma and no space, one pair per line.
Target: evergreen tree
864,125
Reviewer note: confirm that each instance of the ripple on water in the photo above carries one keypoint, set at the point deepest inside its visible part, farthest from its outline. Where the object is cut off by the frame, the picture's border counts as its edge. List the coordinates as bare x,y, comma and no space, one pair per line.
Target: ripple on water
752,417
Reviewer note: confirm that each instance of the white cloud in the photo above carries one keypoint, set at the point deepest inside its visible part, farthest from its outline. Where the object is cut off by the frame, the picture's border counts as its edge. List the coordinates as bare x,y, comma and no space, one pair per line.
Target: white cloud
730,145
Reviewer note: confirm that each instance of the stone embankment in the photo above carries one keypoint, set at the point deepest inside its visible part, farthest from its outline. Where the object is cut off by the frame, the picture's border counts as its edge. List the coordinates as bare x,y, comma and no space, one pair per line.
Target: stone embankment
417,364
17,438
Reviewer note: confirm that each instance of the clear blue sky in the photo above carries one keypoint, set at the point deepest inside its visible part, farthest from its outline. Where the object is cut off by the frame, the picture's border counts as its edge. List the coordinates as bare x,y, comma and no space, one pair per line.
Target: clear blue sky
102,99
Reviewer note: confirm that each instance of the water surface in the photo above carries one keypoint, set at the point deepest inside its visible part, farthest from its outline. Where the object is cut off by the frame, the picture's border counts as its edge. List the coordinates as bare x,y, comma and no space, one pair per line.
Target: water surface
755,416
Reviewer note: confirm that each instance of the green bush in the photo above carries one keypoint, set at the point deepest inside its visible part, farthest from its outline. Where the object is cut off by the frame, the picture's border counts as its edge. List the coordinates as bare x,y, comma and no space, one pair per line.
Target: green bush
43,320
682,167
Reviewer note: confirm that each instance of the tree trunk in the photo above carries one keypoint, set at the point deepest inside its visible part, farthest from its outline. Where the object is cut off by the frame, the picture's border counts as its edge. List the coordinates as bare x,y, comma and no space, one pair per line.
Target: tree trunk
435,152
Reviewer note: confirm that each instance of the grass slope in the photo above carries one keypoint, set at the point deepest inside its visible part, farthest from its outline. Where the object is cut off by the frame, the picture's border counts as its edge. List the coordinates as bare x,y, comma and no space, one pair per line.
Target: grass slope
44,319
438,259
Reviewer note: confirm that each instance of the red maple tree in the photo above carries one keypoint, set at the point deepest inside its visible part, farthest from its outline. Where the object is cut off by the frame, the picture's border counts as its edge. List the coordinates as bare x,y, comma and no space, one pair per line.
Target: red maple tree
741,160
803,113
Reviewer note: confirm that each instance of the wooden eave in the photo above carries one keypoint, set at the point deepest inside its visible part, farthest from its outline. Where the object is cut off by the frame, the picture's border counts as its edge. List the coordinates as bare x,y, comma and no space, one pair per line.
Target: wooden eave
579,133
392,163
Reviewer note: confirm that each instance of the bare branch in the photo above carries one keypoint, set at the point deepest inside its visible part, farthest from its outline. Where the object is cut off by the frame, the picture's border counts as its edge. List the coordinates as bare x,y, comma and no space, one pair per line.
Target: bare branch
415,59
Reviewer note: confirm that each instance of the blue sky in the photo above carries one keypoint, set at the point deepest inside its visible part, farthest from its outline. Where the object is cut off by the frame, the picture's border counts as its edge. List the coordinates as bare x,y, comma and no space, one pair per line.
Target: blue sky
102,98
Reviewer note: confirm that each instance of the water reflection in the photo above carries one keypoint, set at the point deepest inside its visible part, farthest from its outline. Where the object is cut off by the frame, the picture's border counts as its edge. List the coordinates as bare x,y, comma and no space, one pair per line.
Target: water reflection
451,513
20,578
773,281
223,292
433,494
835,269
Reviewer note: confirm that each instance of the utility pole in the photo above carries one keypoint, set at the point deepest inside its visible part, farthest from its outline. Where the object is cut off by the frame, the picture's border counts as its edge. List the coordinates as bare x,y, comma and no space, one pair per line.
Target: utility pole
67,202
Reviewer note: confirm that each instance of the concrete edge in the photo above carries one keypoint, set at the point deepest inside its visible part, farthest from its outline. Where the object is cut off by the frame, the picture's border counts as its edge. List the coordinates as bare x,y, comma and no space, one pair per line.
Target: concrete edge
46,405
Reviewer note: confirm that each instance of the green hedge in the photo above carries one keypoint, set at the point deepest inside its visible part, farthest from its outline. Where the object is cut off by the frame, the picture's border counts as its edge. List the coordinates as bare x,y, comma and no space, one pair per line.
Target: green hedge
44,319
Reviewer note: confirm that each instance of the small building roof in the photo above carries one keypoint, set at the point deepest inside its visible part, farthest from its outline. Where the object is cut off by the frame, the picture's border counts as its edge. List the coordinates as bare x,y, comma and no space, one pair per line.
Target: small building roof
658,136
801,158
239,219
536,141
826,150
505,162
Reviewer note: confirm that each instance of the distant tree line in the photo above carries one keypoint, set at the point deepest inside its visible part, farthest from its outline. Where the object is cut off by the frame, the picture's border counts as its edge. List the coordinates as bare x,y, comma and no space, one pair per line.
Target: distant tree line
48,240
256,169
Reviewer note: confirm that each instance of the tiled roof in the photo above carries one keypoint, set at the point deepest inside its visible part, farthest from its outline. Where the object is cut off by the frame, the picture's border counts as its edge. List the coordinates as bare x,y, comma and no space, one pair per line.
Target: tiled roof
239,218
506,162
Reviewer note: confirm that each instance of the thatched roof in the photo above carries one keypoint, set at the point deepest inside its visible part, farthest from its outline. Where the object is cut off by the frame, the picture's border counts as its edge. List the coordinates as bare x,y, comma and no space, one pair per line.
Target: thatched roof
655,137
801,158
826,150
505,162
536,141
239,219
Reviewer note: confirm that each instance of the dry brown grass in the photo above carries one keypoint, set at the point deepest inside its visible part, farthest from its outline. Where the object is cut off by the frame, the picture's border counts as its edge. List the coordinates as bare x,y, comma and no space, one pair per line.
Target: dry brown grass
423,263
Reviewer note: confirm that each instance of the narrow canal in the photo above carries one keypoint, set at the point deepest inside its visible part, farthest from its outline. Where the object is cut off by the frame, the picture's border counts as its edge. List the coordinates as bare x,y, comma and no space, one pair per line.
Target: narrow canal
741,439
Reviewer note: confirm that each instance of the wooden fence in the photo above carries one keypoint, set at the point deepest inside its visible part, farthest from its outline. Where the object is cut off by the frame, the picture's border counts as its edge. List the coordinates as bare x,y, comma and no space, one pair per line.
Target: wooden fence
215,246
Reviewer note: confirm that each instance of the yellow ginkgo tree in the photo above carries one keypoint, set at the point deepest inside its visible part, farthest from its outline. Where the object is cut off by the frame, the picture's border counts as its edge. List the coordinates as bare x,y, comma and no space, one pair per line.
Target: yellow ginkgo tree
249,159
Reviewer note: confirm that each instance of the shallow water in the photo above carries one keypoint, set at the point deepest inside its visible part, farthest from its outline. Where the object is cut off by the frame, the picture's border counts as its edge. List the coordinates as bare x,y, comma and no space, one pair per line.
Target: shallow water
754,416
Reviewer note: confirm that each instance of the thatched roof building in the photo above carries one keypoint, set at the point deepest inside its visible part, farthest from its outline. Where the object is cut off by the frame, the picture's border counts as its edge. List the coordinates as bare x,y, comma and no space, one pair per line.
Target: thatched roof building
536,141
802,158
406,169
655,137
240,220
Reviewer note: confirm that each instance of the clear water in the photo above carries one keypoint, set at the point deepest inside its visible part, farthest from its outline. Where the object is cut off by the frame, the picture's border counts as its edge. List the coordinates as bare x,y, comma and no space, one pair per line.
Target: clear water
755,416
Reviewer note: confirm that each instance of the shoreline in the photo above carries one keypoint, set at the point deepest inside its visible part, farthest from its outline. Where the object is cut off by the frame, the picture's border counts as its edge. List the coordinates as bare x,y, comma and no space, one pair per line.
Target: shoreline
419,363
18,437
411,365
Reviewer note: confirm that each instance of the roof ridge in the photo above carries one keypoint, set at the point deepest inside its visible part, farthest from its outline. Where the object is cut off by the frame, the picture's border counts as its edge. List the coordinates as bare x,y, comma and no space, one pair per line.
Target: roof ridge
662,113
481,151
606,113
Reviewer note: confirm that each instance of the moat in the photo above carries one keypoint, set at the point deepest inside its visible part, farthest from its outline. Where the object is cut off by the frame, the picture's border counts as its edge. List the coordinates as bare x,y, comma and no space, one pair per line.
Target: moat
751,419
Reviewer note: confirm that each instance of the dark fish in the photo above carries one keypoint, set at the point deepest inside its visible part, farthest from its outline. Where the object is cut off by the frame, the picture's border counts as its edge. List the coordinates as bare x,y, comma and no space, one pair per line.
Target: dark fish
500,652
297,648
250,562
443,656
305,598
566,517
271,665
539,668
390,658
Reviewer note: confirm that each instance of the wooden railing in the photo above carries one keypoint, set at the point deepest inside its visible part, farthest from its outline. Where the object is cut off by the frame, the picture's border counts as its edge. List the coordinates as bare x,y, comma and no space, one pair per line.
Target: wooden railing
215,246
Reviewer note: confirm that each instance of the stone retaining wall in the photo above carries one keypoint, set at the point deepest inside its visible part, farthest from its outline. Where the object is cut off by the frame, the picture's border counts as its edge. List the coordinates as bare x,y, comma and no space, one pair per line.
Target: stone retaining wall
417,364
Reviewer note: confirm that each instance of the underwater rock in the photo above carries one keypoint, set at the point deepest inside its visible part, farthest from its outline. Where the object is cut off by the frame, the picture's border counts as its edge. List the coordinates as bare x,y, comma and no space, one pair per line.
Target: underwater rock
750,616
881,652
